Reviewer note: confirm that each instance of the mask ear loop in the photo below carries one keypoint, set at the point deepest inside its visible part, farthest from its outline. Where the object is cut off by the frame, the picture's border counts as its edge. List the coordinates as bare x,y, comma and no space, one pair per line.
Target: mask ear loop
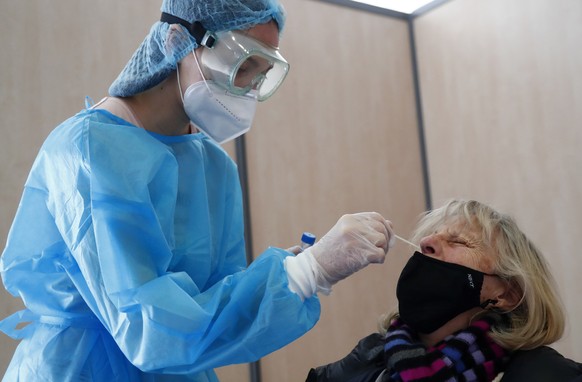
179,83
200,71
486,303
192,128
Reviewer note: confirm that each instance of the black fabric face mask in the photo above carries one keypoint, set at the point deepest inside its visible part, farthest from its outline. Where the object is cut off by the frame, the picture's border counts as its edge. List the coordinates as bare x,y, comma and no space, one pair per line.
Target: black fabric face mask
431,292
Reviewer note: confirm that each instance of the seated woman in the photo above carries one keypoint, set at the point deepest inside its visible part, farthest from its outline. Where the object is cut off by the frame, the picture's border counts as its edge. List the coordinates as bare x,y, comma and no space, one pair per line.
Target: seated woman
476,302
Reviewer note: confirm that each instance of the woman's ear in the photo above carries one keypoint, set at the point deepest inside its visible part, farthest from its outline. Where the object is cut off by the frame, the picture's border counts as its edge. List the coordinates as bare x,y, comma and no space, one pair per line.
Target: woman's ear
508,297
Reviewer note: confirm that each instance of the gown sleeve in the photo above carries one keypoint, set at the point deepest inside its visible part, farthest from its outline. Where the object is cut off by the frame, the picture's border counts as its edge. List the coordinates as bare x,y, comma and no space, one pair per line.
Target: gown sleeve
119,222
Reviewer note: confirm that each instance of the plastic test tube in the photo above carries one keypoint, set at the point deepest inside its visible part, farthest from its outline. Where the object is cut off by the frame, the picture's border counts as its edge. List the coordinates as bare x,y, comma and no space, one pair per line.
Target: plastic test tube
307,240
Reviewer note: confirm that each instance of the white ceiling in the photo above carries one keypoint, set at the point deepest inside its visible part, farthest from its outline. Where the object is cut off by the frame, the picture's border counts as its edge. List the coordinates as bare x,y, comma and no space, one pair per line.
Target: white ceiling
403,6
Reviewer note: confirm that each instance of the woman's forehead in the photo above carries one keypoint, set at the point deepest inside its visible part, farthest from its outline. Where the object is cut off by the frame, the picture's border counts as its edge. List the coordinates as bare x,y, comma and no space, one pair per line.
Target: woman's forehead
460,225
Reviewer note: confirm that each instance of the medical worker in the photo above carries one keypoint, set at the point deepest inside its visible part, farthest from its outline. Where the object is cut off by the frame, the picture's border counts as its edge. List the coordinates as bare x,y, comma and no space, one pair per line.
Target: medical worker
127,248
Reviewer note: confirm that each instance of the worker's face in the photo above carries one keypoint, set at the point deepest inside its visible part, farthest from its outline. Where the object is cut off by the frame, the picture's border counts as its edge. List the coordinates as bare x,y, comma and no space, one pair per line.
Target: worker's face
245,61
256,67
212,99
266,34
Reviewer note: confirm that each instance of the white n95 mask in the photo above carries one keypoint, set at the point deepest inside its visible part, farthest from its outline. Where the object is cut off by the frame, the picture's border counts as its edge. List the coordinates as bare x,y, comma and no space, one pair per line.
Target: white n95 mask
220,115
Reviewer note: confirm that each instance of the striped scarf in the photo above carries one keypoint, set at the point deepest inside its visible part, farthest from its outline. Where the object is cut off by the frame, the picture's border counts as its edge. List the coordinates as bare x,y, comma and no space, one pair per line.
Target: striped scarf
468,355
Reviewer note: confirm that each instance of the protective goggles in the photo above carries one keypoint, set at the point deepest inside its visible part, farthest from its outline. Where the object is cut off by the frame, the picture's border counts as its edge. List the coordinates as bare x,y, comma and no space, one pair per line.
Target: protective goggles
240,64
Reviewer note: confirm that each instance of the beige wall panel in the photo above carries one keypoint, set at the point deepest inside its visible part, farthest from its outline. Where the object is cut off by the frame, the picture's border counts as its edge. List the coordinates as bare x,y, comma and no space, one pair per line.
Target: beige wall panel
339,137
234,373
501,89
53,55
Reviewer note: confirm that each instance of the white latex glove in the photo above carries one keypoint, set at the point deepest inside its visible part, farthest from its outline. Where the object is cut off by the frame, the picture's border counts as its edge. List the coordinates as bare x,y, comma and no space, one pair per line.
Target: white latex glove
294,250
355,241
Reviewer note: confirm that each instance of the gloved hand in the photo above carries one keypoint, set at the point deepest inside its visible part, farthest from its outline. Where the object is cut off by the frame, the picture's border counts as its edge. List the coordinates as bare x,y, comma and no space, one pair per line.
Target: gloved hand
354,242
294,250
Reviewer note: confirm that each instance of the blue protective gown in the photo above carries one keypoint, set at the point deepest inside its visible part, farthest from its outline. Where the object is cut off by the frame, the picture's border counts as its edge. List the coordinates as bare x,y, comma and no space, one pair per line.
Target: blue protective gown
128,252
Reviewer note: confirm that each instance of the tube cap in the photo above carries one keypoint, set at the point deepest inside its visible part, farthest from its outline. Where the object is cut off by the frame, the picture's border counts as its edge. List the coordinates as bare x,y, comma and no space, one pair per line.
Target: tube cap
308,238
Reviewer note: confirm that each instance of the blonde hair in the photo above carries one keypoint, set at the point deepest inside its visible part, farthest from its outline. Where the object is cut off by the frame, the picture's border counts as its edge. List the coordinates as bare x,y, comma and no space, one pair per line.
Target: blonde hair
538,319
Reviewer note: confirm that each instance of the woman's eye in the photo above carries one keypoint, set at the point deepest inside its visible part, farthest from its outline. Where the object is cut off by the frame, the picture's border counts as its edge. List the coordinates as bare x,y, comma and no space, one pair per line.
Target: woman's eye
458,241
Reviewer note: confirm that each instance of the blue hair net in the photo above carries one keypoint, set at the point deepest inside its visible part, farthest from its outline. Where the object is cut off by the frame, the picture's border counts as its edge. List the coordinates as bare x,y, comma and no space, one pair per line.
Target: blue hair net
164,47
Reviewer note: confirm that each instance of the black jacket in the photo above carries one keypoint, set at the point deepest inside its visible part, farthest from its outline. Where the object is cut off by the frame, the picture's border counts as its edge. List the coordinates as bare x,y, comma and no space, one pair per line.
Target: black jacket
363,364
542,364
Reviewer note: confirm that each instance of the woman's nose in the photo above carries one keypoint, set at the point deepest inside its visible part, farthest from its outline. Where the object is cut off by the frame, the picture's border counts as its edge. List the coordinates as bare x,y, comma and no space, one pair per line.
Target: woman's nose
430,245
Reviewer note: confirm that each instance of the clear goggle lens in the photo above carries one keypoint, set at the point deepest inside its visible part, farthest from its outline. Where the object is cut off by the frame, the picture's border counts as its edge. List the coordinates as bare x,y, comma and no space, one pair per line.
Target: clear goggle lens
240,64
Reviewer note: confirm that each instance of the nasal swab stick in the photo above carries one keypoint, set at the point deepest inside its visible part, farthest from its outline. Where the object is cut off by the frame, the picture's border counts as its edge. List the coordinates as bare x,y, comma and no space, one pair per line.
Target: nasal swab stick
407,242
